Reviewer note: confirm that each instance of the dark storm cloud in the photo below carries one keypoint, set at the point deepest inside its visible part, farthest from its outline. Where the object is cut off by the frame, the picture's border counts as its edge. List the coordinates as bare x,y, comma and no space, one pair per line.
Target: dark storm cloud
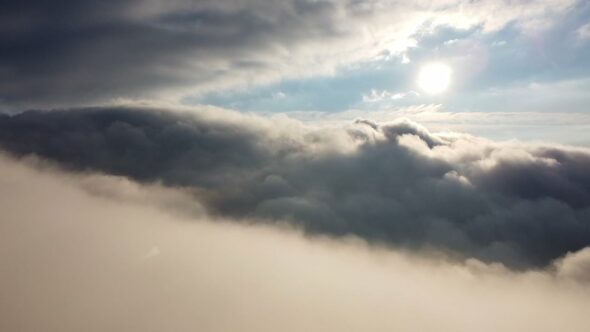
85,51
395,183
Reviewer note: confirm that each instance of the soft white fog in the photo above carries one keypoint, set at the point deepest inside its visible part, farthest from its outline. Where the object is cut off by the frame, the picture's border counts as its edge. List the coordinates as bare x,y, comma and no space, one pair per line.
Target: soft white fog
73,257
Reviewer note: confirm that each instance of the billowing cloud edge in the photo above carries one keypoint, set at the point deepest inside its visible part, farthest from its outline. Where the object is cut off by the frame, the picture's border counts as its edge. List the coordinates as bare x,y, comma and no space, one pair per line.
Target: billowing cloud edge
393,183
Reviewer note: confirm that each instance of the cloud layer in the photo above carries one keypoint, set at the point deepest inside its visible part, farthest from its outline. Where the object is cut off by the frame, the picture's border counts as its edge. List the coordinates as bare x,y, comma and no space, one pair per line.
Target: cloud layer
394,183
89,51
75,261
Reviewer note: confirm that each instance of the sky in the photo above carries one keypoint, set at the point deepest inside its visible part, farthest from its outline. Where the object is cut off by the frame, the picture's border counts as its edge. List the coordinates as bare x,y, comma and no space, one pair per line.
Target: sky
294,165
508,58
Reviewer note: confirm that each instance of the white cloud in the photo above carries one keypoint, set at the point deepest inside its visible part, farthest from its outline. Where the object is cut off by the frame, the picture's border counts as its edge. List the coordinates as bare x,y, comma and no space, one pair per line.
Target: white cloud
583,32
377,96
575,265
69,263
562,127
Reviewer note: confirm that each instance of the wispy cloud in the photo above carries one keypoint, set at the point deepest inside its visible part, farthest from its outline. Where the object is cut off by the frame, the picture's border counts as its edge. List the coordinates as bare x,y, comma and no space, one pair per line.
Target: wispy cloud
377,96
583,32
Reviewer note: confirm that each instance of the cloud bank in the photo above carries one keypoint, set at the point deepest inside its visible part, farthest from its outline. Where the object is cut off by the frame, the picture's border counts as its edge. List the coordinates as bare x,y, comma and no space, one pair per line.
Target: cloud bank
73,260
394,183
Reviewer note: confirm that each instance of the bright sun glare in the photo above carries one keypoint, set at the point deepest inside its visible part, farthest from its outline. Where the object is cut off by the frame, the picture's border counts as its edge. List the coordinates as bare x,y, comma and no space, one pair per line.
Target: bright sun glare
434,78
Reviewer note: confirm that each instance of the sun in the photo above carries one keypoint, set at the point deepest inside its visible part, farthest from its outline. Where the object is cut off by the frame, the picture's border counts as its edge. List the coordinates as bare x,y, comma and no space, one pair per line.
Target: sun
434,78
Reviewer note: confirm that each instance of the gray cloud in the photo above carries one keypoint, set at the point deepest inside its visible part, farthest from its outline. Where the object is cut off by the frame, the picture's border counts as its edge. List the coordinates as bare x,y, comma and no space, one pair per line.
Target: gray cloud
74,261
88,51
396,183
73,52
